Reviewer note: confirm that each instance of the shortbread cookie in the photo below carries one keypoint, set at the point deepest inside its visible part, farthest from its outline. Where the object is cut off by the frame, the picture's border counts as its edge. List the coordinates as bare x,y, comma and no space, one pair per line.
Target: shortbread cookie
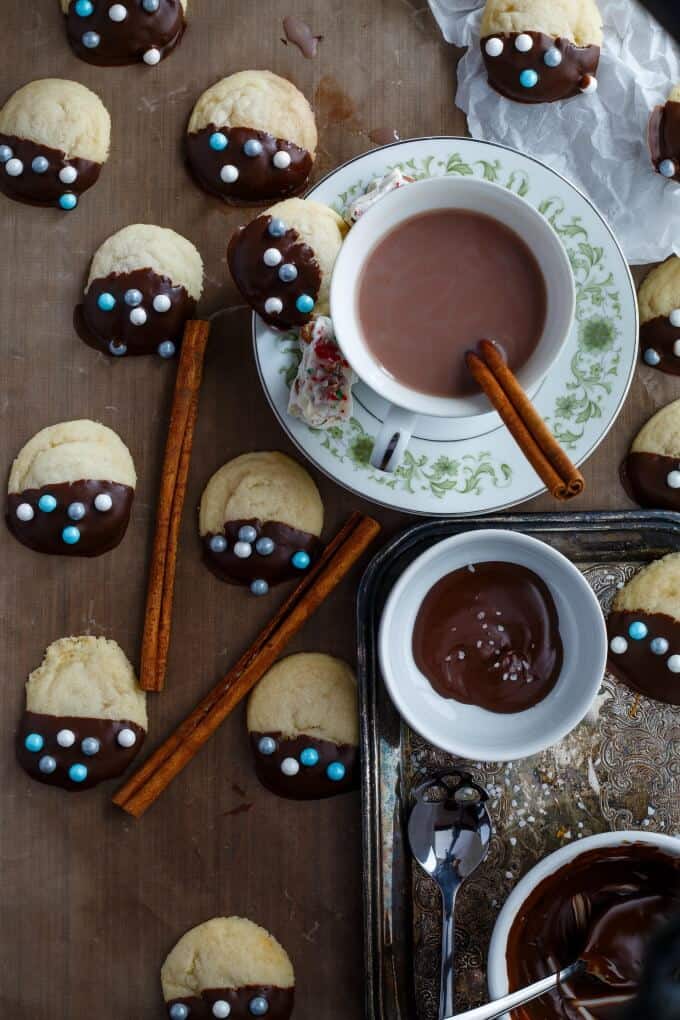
252,138
260,520
651,471
107,33
539,51
644,631
70,490
664,137
143,285
228,967
283,260
54,139
304,727
659,302
85,717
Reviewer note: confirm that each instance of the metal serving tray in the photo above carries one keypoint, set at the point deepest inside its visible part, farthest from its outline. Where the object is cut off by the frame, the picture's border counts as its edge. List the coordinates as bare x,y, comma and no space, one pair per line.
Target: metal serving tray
617,770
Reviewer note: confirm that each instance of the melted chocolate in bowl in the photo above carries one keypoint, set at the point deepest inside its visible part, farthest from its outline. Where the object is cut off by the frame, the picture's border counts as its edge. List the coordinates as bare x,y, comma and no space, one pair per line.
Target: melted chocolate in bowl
488,635
440,282
603,908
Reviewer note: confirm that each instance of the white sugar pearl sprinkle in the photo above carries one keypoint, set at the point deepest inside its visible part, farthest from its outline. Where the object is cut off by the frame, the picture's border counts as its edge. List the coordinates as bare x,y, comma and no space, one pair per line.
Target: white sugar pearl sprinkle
229,174
674,663
117,12
243,550
25,512
674,317
221,1009
162,303
524,43
68,174
618,645
272,257
152,57
273,306
673,479
291,767
676,348
494,47
14,167
281,159
103,502
66,738
137,316
127,738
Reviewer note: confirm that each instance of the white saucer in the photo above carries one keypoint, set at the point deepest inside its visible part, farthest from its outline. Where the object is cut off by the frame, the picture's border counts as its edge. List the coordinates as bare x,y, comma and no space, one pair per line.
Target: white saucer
472,465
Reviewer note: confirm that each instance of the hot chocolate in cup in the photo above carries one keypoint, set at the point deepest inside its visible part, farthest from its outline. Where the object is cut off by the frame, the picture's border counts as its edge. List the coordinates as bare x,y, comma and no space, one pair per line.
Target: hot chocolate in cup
428,272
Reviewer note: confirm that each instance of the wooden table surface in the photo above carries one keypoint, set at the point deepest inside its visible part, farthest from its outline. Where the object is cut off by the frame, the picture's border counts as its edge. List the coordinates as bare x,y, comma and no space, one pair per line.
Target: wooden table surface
92,900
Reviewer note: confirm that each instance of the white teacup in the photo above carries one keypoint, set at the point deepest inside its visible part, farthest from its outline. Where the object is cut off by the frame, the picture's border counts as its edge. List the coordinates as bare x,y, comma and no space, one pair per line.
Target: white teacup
401,204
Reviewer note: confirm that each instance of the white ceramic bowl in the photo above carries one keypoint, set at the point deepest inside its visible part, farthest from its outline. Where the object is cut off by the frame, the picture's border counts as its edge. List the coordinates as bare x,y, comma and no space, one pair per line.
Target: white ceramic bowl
467,730
497,970
450,193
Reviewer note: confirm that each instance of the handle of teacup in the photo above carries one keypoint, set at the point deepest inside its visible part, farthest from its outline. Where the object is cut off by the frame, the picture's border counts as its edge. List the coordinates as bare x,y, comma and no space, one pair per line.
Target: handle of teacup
393,439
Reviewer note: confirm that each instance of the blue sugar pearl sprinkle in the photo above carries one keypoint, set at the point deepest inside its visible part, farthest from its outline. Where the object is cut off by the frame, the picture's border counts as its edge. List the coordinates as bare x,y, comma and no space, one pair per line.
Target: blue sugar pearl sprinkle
5,153
118,350
264,546
637,630
76,511
70,535
151,6
133,297
90,746
218,141
247,533
309,757
552,57
84,8
77,773
288,273
300,560
47,503
91,40
166,349
34,743
277,227
659,646
336,771
179,1011
40,165
252,147
106,302
259,587
528,79
47,764
651,357
218,544
266,745
68,201
258,1006
304,304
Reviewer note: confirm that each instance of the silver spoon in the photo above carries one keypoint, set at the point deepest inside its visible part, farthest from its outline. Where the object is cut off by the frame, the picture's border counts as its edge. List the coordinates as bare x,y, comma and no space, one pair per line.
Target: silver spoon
500,1007
449,831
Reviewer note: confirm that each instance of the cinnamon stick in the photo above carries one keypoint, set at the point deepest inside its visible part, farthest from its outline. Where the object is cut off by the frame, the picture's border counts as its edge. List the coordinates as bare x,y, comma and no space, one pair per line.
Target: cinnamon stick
174,754
530,432
171,501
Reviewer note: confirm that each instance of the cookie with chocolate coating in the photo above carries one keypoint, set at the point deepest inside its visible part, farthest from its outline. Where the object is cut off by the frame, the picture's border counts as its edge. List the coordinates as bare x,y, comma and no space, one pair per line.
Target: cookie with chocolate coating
54,139
659,304
664,137
644,631
651,471
251,139
541,51
143,285
127,32
85,717
228,967
260,520
304,727
282,261
70,490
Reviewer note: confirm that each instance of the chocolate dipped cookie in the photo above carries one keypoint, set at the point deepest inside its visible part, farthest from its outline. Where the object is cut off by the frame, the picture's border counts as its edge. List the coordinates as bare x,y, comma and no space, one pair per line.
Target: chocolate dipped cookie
228,967
109,34
541,51
70,490
251,139
659,303
54,139
664,137
644,631
143,285
651,471
85,717
304,727
282,261
260,520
